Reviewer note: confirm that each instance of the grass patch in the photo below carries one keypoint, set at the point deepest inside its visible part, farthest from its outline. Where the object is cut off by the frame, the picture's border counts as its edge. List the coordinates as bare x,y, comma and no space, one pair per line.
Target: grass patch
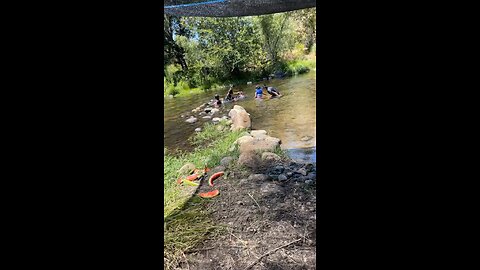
186,220
296,67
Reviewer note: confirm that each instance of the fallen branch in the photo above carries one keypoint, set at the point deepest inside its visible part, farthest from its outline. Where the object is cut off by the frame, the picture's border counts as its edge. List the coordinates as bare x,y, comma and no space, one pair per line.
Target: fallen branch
270,252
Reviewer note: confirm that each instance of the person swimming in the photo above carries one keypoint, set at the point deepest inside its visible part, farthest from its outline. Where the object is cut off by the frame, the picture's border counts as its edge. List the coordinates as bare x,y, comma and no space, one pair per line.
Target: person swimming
217,102
272,91
240,95
258,92
229,96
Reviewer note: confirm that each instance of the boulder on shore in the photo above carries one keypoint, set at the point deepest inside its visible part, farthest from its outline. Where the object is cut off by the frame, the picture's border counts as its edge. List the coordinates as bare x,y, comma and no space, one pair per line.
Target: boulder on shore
240,118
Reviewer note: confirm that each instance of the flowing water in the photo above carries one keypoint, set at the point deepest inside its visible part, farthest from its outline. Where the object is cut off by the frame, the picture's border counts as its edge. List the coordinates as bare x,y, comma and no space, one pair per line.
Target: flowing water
292,117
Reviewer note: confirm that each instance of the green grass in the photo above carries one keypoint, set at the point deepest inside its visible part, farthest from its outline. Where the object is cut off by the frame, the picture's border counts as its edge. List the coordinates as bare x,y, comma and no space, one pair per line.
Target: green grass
186,220
296,67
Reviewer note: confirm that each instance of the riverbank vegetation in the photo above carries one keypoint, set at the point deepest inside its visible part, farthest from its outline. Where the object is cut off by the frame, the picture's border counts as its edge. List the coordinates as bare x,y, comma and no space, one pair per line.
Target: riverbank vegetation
186,220
202,53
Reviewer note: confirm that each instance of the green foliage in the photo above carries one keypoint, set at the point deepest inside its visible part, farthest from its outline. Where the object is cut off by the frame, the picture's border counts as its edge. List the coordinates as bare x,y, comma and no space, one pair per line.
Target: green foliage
205,52
171,90
298,66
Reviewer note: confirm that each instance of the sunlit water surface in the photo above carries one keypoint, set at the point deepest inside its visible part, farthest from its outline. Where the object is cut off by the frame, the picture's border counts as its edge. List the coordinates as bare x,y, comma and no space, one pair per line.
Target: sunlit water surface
292,117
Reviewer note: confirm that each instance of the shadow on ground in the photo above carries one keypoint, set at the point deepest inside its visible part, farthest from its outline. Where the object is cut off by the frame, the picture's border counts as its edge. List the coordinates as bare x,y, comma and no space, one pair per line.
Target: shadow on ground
269,224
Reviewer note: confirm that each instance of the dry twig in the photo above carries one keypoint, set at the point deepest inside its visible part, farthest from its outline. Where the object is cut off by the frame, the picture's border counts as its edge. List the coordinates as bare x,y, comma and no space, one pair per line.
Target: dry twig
270,252
254,200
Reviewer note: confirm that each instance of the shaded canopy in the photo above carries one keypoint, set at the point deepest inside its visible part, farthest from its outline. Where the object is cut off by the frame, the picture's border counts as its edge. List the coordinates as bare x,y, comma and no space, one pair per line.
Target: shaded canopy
232,8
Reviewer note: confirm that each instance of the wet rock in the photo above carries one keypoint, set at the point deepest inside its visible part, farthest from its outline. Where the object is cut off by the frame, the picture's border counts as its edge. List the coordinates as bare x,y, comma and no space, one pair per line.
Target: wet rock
269,156
258,177
198,129
240,118
191,120
282,177
302,171
309,167
306,138
226,161
277,170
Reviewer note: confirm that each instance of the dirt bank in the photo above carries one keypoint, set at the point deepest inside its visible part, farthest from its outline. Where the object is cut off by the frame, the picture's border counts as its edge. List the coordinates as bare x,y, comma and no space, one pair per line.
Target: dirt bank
269,221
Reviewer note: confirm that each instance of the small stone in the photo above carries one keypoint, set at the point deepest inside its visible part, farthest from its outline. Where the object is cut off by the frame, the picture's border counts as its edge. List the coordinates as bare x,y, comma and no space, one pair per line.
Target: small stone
240,203
207,117
182,116
282,177
191,120
306,138
198,129
226,161
302,171
216,119
309,167
311,176
289,173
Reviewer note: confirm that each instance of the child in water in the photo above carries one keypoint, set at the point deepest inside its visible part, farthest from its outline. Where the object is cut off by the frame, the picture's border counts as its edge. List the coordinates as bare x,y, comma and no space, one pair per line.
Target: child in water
258,92
217,102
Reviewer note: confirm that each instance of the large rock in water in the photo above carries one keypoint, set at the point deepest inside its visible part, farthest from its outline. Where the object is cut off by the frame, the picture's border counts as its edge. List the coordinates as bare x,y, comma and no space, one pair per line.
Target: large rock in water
240,118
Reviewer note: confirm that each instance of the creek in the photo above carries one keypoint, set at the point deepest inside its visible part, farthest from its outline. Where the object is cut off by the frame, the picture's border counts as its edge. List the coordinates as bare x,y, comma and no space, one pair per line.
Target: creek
292,117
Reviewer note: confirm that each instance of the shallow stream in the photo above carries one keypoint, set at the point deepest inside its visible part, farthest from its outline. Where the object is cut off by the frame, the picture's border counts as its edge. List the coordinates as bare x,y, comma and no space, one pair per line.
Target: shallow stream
292,117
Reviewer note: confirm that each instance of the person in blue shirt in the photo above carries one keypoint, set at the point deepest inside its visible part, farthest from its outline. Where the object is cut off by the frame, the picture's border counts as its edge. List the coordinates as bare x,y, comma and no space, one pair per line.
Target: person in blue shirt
258,92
